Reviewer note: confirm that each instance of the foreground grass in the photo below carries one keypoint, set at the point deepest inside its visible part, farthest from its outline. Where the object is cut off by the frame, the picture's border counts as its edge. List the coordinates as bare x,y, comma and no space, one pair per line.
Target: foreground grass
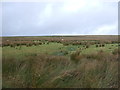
41,67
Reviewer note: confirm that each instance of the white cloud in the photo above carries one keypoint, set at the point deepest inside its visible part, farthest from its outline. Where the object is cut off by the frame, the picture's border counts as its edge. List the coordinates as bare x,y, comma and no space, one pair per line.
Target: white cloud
73,6
67,17
45,14
51,0
106,30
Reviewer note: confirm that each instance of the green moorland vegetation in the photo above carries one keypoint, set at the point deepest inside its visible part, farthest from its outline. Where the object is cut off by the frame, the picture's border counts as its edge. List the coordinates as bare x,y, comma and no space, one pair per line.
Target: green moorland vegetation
60,62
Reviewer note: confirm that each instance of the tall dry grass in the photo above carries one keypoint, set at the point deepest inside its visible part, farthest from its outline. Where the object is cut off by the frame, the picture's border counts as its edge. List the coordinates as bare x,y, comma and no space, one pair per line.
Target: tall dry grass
98,70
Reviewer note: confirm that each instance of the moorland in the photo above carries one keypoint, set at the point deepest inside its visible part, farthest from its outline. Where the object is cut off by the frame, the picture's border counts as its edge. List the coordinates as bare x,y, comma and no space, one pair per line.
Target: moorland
89,61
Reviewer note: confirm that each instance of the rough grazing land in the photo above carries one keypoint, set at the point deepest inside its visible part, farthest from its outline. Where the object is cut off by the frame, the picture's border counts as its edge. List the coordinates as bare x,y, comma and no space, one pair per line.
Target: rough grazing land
60,62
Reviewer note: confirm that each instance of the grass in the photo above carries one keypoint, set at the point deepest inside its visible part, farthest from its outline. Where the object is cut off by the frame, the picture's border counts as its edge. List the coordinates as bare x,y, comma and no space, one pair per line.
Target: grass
54,65
54,47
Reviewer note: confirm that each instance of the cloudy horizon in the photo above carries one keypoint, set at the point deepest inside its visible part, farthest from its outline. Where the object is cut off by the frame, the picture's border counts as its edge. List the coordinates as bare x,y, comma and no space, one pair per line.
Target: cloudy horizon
80,17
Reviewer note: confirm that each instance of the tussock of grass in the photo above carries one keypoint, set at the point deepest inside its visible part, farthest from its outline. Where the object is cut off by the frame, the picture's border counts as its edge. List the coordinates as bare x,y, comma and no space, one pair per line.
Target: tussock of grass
98,70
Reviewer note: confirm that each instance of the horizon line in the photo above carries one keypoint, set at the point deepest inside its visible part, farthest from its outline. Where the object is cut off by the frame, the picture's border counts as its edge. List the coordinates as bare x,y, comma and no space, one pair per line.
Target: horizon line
56,35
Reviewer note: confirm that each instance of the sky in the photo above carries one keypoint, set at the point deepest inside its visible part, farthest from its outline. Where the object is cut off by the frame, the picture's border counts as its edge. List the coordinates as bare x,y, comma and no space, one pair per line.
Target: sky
68,17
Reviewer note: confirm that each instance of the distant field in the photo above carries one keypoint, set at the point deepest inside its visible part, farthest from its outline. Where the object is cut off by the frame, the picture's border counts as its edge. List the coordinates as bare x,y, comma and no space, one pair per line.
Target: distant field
60,61
83,37
56,49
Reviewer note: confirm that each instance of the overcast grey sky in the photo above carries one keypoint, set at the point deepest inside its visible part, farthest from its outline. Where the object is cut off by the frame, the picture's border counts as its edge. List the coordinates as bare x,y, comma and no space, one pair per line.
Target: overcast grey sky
93,17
